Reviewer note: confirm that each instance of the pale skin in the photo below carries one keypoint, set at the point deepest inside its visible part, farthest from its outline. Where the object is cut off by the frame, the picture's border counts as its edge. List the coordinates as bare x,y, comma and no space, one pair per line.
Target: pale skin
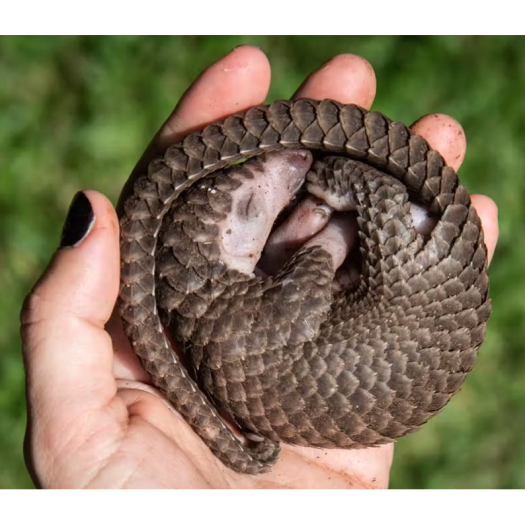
93,418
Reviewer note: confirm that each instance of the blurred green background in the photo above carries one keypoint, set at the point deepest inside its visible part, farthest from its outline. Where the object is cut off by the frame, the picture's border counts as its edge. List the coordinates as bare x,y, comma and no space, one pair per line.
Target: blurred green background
76,112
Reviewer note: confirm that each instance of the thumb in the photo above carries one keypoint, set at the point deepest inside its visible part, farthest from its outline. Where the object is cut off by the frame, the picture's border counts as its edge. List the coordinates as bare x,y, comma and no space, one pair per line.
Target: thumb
67,353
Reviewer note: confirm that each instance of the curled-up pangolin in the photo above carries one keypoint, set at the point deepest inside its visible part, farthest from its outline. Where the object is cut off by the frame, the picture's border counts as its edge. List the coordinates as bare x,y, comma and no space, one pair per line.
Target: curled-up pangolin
354,325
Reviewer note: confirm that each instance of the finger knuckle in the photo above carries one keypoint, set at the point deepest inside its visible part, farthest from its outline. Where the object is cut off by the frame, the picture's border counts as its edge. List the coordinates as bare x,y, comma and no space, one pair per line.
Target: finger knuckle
33,308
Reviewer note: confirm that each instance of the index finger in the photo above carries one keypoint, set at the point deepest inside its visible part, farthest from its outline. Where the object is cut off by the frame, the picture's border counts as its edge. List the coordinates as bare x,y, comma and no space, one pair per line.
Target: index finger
235,83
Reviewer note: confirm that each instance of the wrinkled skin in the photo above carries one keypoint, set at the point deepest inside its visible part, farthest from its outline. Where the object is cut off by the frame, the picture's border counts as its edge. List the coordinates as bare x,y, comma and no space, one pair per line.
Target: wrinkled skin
273,187
257,203
93,418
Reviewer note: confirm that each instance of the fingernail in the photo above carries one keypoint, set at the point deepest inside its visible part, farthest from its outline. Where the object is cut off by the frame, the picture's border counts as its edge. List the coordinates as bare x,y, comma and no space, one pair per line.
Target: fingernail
246,45
79,221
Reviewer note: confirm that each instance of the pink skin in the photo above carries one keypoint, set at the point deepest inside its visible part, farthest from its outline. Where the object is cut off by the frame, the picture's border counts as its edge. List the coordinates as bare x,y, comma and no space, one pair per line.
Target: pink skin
309,217
307,222
93,418
257,203
337,238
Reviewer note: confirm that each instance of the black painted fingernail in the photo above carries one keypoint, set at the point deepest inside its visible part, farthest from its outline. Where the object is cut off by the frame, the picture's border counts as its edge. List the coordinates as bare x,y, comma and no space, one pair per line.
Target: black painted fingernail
79,221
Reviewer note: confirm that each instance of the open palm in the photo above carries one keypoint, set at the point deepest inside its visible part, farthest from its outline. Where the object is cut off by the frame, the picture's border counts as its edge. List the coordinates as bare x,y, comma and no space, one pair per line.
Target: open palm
93,418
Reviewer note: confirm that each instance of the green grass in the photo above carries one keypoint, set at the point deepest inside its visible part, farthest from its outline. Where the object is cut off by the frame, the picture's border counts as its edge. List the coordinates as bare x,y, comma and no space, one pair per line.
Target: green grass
76,112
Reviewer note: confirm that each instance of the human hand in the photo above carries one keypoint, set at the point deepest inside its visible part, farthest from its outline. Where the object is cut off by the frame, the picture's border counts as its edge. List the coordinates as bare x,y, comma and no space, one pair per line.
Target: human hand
93,418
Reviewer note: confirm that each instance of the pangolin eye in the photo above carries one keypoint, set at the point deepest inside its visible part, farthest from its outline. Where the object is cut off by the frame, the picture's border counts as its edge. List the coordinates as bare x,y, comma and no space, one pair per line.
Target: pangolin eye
250,207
